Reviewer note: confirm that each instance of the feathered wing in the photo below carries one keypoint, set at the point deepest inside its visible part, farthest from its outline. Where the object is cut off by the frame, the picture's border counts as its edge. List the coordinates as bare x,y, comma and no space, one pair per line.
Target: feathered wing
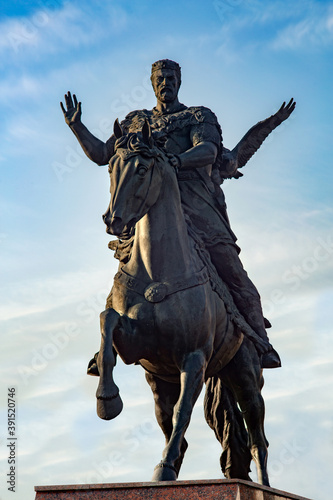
254,138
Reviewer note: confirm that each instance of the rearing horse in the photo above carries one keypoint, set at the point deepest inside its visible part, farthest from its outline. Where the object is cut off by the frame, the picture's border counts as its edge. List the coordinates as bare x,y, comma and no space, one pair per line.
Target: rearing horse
166,316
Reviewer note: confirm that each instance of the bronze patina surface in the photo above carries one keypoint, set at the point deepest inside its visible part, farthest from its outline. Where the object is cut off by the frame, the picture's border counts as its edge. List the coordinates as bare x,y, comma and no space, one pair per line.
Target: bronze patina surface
182,306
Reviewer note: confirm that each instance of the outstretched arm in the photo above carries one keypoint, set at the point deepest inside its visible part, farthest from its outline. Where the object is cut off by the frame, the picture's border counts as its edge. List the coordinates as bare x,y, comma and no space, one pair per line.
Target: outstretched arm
252,140
94,148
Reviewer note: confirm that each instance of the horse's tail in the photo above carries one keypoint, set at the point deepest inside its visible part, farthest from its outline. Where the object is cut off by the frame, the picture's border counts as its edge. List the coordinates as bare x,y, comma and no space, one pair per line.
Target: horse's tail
226,420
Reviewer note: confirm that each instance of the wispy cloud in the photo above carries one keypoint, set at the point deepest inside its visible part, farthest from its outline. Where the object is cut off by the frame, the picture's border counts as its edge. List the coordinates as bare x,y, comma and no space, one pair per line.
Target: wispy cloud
48,293
301,25
52,31
56,280
313,29
19,86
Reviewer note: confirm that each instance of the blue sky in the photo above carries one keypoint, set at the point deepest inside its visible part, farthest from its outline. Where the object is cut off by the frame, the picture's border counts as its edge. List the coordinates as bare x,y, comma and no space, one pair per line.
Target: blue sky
242,59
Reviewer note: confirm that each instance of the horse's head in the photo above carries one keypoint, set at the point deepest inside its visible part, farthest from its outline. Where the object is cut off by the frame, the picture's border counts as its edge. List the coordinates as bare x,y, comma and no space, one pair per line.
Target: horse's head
135,180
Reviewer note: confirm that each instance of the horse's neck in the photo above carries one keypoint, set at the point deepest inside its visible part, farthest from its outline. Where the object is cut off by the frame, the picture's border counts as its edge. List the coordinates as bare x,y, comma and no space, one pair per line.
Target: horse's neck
161,248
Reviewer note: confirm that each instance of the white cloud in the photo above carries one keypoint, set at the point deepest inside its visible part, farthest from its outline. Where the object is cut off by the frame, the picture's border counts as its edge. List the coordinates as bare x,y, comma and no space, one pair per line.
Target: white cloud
315,29
46,294
267,210
301,25
24,86
52,31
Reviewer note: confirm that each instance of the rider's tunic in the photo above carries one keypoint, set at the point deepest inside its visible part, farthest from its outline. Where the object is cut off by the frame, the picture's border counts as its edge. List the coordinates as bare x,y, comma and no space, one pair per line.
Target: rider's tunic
202,200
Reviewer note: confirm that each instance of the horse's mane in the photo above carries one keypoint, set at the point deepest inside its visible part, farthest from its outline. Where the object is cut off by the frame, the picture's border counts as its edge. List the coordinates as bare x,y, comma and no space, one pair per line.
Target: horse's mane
134,145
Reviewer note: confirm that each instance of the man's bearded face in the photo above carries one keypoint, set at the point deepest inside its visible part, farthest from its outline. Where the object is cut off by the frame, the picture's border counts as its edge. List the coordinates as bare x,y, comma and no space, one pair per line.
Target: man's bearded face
165,84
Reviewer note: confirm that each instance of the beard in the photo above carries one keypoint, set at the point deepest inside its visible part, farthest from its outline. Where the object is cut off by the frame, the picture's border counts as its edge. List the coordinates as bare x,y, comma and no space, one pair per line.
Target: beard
166,94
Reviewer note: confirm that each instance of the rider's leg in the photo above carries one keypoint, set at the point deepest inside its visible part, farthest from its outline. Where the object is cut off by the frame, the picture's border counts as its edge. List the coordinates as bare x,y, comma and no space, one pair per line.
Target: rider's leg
229,267
245,294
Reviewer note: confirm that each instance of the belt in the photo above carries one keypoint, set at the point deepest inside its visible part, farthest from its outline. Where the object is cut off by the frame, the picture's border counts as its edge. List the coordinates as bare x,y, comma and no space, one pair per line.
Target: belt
157,291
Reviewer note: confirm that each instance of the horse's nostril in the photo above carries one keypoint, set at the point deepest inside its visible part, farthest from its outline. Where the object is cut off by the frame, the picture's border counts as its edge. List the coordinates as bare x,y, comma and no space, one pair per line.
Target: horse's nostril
106,216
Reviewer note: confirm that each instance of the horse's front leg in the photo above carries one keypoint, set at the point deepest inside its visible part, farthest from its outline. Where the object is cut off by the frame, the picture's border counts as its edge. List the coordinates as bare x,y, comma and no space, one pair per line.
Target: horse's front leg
191,382
109,403
166,395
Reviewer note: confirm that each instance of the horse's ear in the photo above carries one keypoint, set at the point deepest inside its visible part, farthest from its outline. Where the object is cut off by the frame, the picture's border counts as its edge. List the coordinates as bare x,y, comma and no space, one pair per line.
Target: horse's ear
117,130
146,134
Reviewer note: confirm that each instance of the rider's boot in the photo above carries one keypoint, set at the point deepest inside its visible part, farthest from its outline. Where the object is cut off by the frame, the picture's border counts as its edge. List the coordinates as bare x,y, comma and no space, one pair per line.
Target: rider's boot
269,358
246,297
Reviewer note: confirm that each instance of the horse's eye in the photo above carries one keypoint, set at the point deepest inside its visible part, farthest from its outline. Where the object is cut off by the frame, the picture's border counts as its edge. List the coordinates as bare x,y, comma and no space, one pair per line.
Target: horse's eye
142,171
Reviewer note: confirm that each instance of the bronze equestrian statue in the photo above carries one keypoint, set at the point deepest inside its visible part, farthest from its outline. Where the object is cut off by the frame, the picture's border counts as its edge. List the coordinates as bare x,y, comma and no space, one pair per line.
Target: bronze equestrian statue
182,304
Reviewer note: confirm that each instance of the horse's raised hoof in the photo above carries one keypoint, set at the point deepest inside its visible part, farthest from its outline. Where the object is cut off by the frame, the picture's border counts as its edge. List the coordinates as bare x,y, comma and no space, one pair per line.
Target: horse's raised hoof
109,408
164,472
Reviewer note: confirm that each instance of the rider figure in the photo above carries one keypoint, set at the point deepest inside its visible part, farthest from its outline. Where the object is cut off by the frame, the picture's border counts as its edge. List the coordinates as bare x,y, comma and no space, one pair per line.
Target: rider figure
192,137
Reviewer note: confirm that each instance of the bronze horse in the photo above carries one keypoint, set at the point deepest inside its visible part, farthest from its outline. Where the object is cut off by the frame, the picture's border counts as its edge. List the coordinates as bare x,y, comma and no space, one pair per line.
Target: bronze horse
167,317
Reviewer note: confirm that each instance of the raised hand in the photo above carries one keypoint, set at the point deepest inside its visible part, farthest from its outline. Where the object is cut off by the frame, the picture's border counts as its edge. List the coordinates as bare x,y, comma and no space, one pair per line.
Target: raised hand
285,111
254,137
73,112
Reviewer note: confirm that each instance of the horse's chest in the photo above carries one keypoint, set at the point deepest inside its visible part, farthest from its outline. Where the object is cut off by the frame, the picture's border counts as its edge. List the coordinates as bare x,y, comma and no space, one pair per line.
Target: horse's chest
183,322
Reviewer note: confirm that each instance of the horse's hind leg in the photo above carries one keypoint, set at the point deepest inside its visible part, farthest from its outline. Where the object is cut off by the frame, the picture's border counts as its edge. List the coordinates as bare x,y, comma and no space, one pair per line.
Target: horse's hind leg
226,420
109,403
191,382
243,375
166,395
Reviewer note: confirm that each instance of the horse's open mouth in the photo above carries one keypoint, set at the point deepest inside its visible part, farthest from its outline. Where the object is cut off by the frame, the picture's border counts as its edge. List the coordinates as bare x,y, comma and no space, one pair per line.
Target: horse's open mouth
127,233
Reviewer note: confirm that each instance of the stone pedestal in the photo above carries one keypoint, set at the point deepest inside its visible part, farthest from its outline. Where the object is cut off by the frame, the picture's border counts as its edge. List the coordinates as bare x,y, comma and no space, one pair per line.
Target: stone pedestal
219,489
